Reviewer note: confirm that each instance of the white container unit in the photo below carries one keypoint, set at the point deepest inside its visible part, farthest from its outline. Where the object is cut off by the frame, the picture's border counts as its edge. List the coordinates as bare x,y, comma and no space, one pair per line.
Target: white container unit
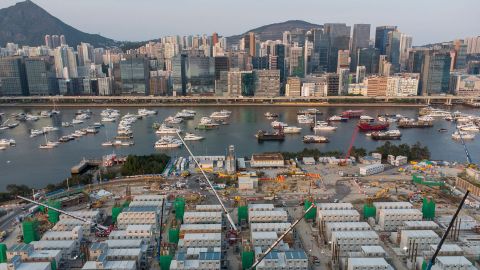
392,219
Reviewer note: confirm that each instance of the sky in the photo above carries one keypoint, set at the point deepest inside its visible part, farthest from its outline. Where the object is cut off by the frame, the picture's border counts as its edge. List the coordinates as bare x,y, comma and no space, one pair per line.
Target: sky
428,21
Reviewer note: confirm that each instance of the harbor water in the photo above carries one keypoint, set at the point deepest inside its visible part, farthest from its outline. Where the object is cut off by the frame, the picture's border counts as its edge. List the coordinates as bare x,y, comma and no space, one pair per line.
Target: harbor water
27,164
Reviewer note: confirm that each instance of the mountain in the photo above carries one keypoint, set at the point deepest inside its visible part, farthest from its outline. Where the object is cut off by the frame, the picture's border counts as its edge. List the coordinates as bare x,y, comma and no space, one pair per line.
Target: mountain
26,23
274,31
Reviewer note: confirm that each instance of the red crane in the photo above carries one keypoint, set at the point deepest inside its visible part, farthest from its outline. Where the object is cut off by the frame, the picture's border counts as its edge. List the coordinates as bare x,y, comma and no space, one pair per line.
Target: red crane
352,142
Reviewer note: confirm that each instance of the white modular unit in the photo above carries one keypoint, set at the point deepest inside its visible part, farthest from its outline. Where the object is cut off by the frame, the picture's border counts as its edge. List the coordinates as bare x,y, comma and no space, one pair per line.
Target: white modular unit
278,228
420,225
202,217
267,216
208,208
334,206
345,226
391,205
110,265
75,234
372,169
200,228
422,238
148,198
198,240
368,264
453,263
68,225
261,207
119,244
284,260
352,241
338,216
373,251
263,239
68,247
210,260
392,219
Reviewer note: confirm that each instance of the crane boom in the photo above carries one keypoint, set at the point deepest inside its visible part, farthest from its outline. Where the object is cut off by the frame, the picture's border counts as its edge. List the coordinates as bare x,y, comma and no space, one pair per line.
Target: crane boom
467,153
94,224
230,220
270,248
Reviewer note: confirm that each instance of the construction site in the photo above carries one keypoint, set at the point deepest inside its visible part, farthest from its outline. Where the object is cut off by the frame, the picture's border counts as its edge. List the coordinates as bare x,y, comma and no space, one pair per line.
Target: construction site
306,213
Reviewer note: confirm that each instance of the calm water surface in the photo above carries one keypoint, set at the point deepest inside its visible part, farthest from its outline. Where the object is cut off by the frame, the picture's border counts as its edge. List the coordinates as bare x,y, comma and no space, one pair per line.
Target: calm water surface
27,164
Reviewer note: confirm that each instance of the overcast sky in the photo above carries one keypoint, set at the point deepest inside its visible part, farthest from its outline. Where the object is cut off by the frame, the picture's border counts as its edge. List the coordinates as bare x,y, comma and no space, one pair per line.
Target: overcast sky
426,20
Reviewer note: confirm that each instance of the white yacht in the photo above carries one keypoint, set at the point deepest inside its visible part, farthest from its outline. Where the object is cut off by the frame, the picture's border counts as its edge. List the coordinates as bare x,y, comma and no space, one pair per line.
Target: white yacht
278,124
30,117
173,120
45,114
49,129
77,121
189,111
458,135
305,119
66,124
36,132
367,118
110,113
221,114
7,142
292,130
168,142
82,116
184,115
192,137
164,129
324,126
426,118
145,112
109,119
469,127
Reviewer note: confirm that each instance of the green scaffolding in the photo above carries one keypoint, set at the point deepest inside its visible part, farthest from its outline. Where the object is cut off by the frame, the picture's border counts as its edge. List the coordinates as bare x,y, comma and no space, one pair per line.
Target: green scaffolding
30,231
3,253
179,208
53,264
312,213
428,209
369,211
247,259
165,261
115,212
427,181
54,216
242,213
173,235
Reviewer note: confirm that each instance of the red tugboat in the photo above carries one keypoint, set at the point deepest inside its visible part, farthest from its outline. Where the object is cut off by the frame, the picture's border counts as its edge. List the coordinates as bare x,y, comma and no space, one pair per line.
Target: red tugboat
352,114
367,126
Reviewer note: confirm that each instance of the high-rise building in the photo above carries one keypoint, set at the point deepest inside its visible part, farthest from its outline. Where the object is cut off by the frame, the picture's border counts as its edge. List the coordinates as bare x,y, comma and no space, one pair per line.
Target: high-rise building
214,39
435,75
281,54
158,83
361,73
405,47
250,44
381,37
105,86
13,78
339,39
473,45
473,67
403,84
267,83
297,62
466,85
393,49
293,87
369,58
222,63
85,54
332,84
360,40
459,55
135,75
321,45
343,59
376,86
56,41
63,40
41,76
48,41
343,80
384,67
65,62
415,60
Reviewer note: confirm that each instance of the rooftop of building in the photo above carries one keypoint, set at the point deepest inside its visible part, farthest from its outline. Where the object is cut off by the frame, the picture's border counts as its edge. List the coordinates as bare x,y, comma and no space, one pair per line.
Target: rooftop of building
368,262
267,156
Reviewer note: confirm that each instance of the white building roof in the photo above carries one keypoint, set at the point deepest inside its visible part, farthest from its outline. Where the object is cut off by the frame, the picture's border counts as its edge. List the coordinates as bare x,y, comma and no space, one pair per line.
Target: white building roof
41,254
209,227
124,252
340,212
373,250
379,205
140,227
271,226
60,244
264,235
418,233
202,236
323,206
201,207
367,262
347,225
124,243
111,265
453,260
354,234
420,224
447,248
254,206
28,266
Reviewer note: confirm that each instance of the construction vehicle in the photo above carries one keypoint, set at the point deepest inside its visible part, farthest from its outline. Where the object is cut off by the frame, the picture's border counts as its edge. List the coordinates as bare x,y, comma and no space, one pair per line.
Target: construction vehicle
185,174
3,235
105,233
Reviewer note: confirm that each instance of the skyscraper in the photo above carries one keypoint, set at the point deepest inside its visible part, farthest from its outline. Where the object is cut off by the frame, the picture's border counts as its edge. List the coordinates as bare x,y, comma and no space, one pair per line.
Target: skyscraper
343,60
13,79
321,44
48,41
360,39
65,62
267,83
135,75
393,49
55,41
369,58
435,75
381,37
63,40
250,44
214,39
41,76
339,39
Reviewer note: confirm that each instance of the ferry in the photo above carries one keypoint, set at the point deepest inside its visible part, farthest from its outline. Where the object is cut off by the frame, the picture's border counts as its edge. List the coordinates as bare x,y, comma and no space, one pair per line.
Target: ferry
192,137
365,126
459,135
278,124
394,134
323,126
164,129
352,114
270,136
411,123
91,130
168,142
315,139
292,130
304,119
434,112
337,118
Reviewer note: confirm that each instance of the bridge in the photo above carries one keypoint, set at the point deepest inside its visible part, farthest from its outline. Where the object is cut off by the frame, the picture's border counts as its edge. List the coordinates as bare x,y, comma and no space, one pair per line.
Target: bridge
207,100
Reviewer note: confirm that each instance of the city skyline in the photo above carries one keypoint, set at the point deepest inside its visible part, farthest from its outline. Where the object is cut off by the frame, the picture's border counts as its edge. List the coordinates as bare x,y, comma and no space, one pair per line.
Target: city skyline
147,27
